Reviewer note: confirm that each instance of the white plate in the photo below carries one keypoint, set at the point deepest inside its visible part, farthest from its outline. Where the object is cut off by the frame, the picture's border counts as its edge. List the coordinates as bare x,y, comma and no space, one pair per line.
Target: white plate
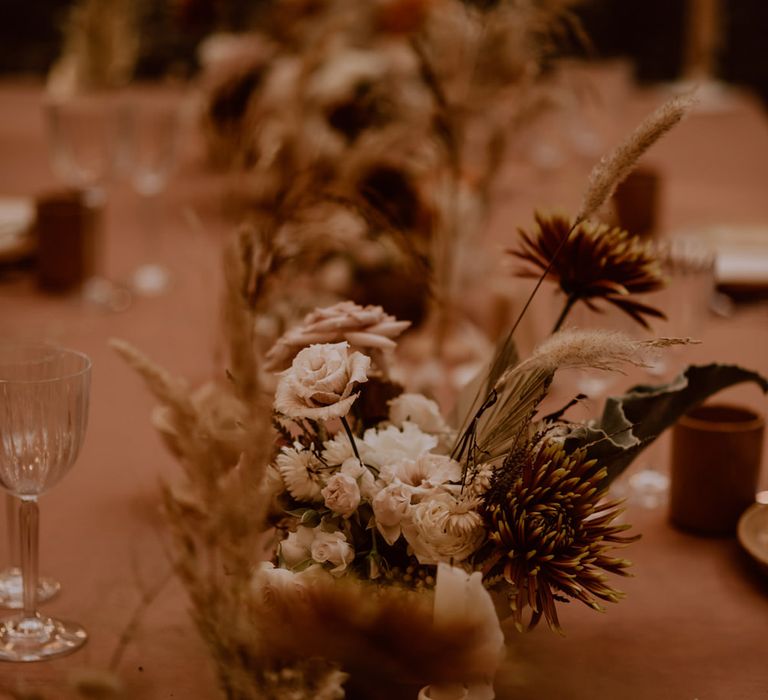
17,214
753,532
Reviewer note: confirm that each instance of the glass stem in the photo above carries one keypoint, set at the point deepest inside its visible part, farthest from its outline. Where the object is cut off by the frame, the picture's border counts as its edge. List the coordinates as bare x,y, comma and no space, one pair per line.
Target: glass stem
29,525
150,210
12,521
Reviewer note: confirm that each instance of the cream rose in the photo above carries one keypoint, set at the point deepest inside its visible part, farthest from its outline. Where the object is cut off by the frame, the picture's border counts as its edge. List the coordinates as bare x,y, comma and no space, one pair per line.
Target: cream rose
391,506
365,327
296,548
439,529
332,548
321,381
342,494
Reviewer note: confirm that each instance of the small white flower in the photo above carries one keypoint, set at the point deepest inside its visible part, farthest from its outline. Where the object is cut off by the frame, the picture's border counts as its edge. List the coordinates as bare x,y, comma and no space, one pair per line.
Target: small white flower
296,548
427,472
332,548
417,409
301,472
321,381
391,444
338,449
342,494
391,506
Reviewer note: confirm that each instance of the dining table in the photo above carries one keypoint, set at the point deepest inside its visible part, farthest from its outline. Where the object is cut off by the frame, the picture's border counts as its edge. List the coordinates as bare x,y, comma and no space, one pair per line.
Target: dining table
693,623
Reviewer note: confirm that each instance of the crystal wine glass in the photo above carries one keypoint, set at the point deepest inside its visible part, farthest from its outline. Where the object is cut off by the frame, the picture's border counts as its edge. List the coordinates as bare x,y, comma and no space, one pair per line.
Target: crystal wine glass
151,144
86,150
688,264
44,394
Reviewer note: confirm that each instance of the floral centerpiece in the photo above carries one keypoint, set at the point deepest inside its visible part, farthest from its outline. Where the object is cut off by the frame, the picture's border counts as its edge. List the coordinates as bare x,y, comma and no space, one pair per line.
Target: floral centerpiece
340,536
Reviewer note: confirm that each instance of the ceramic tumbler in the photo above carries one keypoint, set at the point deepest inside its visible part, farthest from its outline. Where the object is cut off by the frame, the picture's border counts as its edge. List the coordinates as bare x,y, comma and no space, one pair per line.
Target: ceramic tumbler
67,230
637,202
716,453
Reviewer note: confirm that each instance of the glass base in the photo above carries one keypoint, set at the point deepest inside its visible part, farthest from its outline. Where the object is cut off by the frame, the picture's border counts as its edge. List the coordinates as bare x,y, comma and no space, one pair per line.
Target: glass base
11,589
151,280
648,488
38,638
106,295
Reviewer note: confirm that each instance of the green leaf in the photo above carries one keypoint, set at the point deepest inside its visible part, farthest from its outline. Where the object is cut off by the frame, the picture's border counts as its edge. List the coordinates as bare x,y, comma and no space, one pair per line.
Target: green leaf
633,421
310,518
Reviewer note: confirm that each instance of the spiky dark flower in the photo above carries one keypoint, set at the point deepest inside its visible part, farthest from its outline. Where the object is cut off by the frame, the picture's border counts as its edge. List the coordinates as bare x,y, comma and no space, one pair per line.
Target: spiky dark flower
550,532
597,262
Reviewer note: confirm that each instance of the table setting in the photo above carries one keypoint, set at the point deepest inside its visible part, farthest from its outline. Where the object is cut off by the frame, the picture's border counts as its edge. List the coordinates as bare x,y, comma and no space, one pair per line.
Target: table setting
345,395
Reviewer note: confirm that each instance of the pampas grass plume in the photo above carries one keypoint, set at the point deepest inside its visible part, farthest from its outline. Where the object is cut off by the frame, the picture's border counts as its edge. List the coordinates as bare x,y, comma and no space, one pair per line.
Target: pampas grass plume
615,167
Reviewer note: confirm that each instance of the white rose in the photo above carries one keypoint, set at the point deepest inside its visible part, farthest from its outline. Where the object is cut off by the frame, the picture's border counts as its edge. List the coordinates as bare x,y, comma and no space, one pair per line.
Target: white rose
273,583
391,506
442,529
270,581
333,548
390,445
301,473
342,494
418,409
321,381
296,548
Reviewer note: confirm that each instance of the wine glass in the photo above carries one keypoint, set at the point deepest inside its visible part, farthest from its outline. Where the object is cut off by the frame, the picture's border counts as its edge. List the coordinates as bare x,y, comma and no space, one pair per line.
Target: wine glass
86,152
688,264
11,586
151,145
43,414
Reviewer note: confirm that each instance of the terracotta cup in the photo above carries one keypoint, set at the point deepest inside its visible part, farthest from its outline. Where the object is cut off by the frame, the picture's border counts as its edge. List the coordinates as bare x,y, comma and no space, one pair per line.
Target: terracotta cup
716,452
637,202
67,227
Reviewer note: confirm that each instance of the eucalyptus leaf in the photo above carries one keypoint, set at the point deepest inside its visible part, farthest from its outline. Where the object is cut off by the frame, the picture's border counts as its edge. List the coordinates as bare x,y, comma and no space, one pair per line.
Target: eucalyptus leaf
633,421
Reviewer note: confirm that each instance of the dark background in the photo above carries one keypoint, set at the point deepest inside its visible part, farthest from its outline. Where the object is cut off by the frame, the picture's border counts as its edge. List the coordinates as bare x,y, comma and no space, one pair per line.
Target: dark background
649,31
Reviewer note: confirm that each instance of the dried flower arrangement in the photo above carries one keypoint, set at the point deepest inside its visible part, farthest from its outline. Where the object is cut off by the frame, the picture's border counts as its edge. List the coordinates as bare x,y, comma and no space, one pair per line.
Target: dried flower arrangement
336,529
389,118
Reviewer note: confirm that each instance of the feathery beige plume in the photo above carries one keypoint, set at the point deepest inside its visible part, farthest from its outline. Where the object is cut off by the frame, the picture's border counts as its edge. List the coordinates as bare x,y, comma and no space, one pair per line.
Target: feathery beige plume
615,166
165,388
595,349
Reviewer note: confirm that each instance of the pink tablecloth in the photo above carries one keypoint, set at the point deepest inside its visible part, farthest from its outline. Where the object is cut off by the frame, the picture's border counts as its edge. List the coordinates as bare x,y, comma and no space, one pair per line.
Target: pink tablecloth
694,622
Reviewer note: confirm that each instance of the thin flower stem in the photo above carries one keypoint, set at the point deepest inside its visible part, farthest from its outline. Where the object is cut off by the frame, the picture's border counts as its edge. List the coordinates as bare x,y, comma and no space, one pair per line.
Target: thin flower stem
147,598
351,437
543,276
569,303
